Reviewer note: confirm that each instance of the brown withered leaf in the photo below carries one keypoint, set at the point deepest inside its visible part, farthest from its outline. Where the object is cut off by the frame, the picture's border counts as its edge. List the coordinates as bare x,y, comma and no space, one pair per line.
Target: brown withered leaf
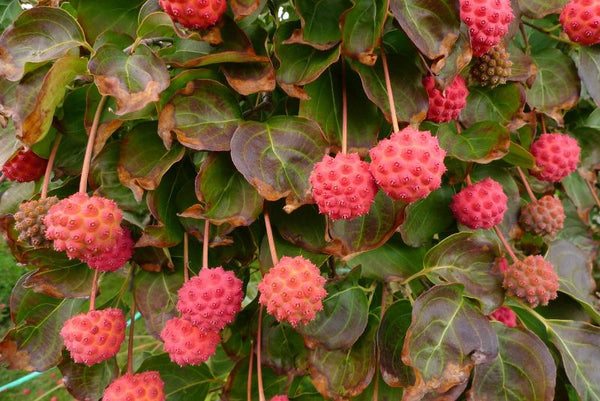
243,8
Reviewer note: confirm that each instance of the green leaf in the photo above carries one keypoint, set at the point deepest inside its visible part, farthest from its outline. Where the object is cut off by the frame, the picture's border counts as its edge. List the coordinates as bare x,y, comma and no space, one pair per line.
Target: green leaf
34,342
181,383
226,196
368,231
320,22
482,142
578,191
299,64
9,10
325,107
293,228
438,348
144,159
343,318
468,258
278,155
345,373
524,369
540,8
427,217
203,116
410,97
556,87
88,382
57,276
518,156
39,94
500,104
236,387
579,347
283,348
242,8
390,339
362,27
392,260
589,70
431,26
15,195
38,35
156,297
9,144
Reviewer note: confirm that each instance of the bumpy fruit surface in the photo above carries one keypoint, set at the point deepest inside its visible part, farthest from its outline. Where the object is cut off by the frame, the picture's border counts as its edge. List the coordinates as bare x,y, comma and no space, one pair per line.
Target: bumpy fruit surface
342,186
25,166
544,217
488,22
145,386
408,165
83,226
556,156
29,221
195,14
445,106
532,280
95,336
293,290
480,205
493,68
116,256
211,299
581,21
186,344
505,315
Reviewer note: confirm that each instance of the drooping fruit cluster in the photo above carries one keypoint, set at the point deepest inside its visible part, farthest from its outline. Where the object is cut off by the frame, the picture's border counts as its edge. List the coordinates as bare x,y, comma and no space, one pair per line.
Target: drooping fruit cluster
488,22
211,299
532,279
493,68
581,21
95,336
445,106
342,186
145,386
543,217
505,315
408,165
293,290
480,205
187,344
83,226
116,256
195,14
29,221
25,166
556,156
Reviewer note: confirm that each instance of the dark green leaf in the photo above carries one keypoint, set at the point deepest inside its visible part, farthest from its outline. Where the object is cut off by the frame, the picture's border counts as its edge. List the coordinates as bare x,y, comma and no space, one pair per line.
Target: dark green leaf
390,339
236,387
285,248
482,142
58,276
500,104
88,382
283,348
293,228
578,191
320,22
541,8
9,10
362,27
518,156
242,8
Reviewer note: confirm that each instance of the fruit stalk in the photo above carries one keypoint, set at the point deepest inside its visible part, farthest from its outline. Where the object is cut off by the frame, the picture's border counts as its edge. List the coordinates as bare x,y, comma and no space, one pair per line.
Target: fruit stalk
344,110
205,242
592,191
186,258
49,166
94,290
131,328
526,184
85,169
506,245
388,85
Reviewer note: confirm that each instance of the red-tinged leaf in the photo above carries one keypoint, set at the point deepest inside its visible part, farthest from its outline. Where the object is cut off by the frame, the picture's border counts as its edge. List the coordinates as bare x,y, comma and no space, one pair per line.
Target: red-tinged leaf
431,26
540,8
483,142
362,27
243,8
39,94
369,231
70,279
34,342
293,228
133,79
441,353
320,23
88,382
140,167
236,387
390,338
283,348
524,369
278,155
203,116
38,35
589,70
446,69
523,69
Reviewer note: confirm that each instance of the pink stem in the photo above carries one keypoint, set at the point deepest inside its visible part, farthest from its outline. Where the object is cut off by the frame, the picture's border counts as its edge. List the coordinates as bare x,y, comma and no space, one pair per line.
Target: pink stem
527,187
49,167
388,84
205,244
85,169
94,290
344,111
186,258
506,245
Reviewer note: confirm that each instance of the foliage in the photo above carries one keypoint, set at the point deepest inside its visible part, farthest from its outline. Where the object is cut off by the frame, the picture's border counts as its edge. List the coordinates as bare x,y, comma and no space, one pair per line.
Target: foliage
225,123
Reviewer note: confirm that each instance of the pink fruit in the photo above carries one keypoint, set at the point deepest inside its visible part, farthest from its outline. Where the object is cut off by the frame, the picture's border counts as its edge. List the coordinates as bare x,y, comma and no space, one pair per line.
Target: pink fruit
293,290
186,344
480,205
556,156
342,186
447,105
543,217
532,280
409,165
504,315
83,226
95,336
145,386
25,166
195,14
280,398
581,21
488,22
116,256
211,299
